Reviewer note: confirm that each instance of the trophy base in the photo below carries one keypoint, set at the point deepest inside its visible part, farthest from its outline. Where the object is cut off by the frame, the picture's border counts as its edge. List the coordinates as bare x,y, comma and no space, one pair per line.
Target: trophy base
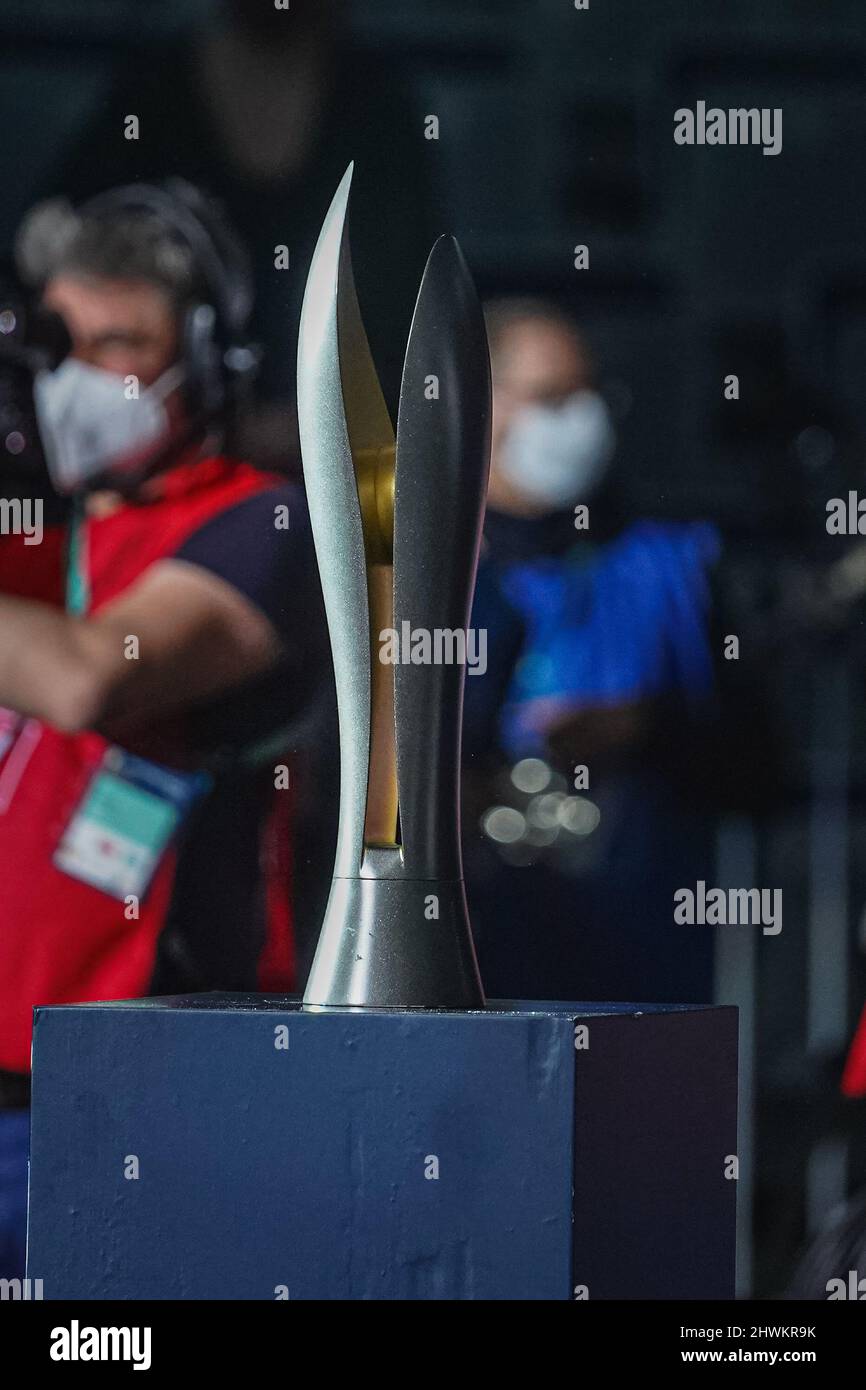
240,1147
395,943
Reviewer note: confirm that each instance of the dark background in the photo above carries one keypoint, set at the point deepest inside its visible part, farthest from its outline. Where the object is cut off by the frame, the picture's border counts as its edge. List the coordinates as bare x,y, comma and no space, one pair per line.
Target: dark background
556,128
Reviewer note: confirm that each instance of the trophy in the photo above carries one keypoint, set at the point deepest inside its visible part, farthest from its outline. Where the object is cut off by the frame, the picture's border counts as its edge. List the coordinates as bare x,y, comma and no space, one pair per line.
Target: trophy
397,527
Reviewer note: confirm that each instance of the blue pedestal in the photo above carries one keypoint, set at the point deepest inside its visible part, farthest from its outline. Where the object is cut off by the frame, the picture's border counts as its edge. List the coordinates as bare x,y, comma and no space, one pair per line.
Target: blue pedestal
239,1147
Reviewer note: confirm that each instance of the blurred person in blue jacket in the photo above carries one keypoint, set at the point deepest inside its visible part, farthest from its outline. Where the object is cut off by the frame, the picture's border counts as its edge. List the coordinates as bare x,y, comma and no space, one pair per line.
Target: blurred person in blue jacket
581,740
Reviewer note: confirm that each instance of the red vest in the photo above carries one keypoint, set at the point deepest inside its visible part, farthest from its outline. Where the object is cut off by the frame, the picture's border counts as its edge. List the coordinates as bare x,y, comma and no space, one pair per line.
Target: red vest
854,1074
62,941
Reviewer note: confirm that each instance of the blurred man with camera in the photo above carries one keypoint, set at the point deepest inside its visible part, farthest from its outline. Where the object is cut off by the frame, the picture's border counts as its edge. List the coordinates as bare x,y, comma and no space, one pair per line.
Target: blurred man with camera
151,683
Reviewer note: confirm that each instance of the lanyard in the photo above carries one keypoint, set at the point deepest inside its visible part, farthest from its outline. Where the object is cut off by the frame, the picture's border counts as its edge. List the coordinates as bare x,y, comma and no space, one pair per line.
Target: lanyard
77,577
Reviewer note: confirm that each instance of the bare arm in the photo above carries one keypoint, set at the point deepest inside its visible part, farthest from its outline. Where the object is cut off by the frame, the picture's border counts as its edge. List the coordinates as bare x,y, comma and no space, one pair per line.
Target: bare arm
176,637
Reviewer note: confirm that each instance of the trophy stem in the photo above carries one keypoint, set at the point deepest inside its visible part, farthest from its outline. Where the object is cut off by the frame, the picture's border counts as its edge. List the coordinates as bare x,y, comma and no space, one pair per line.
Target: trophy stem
380,822
392,942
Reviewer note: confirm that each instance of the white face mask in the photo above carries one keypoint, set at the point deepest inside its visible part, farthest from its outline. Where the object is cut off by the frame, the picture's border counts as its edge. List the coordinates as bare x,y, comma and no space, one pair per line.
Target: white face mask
557,455
90,426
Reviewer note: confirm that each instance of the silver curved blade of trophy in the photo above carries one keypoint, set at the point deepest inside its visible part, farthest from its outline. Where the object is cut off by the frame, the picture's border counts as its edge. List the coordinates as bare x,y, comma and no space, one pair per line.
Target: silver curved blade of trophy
335,514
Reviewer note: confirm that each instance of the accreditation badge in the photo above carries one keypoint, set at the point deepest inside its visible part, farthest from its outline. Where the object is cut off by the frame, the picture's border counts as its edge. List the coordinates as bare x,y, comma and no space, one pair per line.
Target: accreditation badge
128,816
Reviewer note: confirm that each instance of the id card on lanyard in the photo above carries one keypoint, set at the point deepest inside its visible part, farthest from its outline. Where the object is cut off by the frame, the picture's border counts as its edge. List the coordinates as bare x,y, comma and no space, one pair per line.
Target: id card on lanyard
125,821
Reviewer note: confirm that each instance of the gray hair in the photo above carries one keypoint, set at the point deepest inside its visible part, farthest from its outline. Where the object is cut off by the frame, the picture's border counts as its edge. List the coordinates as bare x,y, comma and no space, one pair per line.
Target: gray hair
55,239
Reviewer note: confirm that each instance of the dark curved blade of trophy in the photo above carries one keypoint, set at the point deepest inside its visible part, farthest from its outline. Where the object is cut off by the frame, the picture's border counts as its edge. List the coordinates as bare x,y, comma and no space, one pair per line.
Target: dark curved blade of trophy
397,527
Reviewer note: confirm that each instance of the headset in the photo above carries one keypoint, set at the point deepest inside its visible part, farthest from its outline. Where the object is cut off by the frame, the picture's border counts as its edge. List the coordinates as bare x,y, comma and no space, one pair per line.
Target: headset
219,357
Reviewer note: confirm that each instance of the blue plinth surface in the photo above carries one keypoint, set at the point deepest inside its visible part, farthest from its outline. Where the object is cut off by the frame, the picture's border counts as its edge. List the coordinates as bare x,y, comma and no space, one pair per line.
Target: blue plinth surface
242,1147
